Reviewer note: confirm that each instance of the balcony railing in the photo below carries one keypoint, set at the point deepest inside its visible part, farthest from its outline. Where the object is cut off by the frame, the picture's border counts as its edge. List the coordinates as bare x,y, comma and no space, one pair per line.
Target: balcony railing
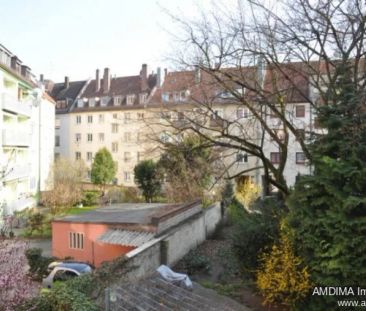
11,104
17,172
16,137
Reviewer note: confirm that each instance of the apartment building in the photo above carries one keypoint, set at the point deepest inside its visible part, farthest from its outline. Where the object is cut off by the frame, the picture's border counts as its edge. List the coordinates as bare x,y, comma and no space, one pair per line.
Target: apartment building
27,138
129,115
106,112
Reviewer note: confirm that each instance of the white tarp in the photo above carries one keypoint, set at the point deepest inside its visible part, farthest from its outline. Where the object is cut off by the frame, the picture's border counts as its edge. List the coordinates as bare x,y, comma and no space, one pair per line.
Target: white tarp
171,276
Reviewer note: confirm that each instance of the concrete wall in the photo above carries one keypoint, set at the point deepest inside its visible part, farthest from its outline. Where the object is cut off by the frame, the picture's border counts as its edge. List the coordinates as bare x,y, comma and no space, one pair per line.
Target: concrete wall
176,243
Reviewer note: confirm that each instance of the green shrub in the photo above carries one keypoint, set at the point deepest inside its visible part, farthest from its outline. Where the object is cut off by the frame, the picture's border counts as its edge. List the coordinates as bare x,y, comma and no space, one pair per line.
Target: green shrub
37,263
35,222
72,295
254,231
91,197
194,262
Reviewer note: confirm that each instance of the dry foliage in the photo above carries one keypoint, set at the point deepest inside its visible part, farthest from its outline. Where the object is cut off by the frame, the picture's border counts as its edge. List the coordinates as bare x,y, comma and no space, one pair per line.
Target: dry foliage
66,179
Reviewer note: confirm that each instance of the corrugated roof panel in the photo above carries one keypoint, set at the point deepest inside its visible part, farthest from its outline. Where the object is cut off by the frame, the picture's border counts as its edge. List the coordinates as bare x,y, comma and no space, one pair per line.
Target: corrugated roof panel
125,237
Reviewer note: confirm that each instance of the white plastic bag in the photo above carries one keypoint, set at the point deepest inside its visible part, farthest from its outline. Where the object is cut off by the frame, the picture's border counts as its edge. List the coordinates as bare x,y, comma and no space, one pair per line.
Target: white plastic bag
171,276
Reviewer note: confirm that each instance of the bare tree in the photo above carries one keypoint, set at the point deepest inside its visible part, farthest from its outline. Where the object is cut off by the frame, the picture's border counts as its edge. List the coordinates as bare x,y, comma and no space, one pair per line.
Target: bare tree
264,58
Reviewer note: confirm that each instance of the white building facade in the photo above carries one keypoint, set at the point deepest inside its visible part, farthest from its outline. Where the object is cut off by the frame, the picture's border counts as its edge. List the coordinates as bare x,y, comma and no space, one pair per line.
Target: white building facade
27,135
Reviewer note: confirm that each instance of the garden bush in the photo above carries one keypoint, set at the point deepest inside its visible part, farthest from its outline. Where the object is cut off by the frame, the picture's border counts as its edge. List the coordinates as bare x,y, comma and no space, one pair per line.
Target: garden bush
91,197
37,263
282,277
194,262
254,231
72,295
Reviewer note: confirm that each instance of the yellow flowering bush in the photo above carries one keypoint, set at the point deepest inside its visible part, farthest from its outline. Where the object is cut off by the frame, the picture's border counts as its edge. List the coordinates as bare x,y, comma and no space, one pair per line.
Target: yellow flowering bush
247,192
282,277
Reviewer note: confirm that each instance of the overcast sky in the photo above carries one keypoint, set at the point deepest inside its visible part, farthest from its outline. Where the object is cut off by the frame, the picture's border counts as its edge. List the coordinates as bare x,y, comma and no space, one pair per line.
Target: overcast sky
74,37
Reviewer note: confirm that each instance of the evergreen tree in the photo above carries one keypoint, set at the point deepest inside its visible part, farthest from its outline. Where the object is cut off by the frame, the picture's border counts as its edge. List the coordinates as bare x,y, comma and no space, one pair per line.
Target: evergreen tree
148,179
328,209
103,169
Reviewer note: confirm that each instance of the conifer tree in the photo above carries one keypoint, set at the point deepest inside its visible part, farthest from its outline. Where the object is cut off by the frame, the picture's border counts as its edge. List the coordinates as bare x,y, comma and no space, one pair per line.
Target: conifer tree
328,209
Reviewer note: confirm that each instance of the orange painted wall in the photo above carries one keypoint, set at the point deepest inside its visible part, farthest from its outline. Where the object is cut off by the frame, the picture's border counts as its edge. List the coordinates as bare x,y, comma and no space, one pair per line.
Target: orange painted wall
94,252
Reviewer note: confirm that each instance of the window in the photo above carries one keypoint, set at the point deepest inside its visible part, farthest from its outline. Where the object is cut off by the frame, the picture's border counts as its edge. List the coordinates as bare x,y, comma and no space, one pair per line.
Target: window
89,156
115,116
127,136
127,176
80,103
57,123
76,240
165,116
300,111
127,156
300,158
101,137
57,141
77,137
127,117
140,116
57,156
183,96
104,101
78,155
117,100
101,118
130,100
165,97
114,128
275,157
114,147
78,119
91,102
138,136
242,113
241,158
90,138
143,98
300,134
90,119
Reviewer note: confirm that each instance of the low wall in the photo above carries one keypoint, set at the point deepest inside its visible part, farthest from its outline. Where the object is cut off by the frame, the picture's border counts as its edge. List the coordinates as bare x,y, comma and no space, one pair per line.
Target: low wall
173,245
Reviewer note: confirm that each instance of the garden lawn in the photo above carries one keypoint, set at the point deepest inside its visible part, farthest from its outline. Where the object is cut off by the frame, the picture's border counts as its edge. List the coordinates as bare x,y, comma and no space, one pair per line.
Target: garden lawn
79,210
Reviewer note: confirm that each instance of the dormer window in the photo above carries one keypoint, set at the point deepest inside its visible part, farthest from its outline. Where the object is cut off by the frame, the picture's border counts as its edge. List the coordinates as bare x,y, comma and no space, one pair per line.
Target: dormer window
91,102
130,100
231,93
165,97
183,95
104,101
143,98
117,100
80,103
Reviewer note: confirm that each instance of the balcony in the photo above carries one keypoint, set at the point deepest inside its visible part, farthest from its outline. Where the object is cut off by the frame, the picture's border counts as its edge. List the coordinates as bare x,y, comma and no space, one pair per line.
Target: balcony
17,172
16,137
11,104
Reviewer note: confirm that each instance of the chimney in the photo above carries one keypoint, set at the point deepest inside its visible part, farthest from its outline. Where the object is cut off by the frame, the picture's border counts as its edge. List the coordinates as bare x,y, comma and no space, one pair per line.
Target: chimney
106,80
143,76
197,74
165,73
158,77
97,81
67,82
41,78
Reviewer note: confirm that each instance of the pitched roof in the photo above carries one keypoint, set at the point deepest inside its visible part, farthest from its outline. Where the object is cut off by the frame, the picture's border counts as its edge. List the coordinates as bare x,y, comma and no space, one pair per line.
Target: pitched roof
276,81
59,92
